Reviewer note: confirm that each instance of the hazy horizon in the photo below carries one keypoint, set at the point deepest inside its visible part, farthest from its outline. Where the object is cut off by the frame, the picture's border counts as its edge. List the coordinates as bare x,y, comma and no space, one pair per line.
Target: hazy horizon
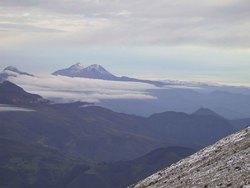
207,42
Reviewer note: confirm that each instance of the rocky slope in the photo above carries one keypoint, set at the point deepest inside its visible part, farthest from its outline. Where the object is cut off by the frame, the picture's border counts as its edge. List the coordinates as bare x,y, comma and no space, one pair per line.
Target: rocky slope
224,164
13,94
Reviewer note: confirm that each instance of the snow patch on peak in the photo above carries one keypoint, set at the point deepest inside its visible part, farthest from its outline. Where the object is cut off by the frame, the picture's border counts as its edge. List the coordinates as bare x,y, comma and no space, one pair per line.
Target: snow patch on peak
94,71
77,66
11,68
98,68
11,71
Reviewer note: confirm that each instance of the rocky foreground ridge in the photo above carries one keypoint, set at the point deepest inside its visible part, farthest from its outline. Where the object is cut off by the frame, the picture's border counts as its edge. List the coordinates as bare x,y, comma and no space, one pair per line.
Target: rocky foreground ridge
224,164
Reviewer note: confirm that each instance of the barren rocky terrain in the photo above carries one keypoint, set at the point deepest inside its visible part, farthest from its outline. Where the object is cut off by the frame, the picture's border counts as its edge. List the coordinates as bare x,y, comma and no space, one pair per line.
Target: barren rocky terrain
224,164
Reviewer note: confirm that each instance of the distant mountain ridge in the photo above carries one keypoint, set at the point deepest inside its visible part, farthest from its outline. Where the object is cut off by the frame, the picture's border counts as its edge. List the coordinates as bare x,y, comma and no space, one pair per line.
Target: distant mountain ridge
63,142
13,94
174,96
205,112
129,135
96,71
11,71
14,69
93,71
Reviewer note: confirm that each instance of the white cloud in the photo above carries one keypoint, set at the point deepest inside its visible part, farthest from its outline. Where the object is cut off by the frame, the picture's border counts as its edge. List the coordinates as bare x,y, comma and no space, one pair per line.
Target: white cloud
8,108
184,37
141,22
62,88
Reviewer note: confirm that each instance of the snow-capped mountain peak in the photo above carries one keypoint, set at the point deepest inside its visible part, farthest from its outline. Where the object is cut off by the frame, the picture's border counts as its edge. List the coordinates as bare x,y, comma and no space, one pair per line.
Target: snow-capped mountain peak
94,71
95,66
77,66
98,68
12,70
71,71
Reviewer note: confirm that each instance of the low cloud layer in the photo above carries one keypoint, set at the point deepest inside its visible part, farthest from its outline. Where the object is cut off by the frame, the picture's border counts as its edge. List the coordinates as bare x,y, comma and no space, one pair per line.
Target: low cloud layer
8,108
64,89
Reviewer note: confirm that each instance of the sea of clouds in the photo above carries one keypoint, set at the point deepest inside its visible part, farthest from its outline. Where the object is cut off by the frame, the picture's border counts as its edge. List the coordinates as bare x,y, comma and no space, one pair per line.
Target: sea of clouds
66,89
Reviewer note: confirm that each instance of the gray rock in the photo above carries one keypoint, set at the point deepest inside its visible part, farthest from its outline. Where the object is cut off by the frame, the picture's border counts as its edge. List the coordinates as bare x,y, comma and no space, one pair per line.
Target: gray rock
224,164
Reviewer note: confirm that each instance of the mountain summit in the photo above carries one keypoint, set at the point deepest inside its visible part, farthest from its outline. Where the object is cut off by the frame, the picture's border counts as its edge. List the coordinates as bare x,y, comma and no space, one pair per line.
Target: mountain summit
11,71
72,71
77,66
96,71
93,71
15,70
205,112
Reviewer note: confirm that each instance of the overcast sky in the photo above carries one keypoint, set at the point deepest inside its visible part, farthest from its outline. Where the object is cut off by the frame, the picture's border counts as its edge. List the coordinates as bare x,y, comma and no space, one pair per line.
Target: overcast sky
206,40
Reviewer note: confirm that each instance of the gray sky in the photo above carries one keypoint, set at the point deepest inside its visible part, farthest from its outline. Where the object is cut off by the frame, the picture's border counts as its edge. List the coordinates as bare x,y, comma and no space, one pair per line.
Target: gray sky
206,40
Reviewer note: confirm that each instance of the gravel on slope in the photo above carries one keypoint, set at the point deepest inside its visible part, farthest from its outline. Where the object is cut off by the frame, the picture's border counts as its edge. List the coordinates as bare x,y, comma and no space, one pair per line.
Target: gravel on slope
224,164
